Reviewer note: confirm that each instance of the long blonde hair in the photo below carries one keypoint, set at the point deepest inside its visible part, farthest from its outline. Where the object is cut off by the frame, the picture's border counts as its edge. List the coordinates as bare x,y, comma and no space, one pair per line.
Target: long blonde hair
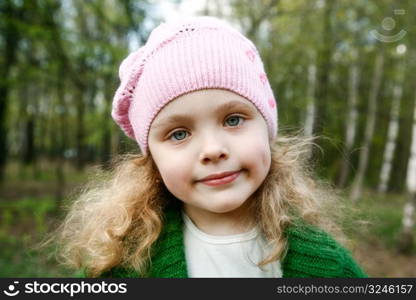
118,215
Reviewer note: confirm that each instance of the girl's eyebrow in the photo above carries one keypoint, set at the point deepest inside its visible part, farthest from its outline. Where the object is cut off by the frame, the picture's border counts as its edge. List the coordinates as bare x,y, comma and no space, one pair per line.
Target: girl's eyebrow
178,118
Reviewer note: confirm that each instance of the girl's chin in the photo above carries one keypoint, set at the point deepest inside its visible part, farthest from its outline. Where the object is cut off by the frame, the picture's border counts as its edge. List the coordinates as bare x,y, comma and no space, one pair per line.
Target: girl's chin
223,209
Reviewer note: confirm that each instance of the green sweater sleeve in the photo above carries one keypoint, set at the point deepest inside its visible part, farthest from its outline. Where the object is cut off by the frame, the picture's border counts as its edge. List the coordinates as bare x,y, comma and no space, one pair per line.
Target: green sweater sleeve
351,269
314,253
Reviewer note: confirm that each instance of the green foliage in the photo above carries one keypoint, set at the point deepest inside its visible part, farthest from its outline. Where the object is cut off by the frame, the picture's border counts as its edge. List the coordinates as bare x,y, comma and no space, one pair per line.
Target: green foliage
19,259
22,223
380,217
30,212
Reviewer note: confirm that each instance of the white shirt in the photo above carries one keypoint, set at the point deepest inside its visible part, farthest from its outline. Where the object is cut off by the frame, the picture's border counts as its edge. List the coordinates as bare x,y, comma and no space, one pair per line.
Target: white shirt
226,256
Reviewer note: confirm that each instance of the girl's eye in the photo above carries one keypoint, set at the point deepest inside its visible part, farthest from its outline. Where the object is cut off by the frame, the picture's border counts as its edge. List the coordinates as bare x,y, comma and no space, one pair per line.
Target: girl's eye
234,121
178,135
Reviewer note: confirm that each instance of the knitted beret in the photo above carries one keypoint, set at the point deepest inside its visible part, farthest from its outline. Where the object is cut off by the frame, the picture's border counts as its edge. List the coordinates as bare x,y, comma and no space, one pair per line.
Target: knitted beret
180,57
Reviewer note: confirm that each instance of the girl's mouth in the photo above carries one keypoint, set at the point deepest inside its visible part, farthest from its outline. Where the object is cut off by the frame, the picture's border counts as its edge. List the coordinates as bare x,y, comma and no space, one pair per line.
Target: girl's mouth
222,180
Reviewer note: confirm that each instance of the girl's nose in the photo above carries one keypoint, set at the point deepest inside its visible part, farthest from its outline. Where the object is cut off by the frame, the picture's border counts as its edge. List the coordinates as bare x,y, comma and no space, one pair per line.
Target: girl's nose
213,151
213,156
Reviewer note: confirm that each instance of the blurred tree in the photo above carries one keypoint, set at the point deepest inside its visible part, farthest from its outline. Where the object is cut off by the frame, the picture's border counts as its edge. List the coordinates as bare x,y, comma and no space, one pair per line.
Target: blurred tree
393,129
406,242
324,64
357,186
10,11
351,121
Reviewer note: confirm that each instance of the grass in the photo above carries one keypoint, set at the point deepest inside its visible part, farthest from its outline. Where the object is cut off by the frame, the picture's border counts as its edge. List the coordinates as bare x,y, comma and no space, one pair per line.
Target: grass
28,208
23,224
19,259
375,235
384,216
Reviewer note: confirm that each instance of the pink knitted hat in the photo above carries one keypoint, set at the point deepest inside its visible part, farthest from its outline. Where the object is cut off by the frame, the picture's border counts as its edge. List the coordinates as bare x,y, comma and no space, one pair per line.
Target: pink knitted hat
181,57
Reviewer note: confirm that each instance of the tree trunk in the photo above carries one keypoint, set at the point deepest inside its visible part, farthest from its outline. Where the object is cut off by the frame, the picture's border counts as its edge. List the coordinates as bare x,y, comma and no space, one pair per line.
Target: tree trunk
106,149
28,120
406,237
61,140
406,240
357,185
392,132
80,129
310,98
351,123
10,42
323,69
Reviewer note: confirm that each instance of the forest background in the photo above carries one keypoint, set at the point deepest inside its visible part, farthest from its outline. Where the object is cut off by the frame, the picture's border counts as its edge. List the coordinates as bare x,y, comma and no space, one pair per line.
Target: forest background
341,70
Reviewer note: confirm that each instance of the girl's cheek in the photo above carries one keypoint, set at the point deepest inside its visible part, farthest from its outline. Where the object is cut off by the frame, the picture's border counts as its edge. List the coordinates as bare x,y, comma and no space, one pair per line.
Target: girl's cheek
259,150
174,178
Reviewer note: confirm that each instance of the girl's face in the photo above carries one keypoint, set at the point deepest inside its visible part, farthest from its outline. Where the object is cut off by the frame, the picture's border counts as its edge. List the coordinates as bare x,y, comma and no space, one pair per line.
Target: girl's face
208,132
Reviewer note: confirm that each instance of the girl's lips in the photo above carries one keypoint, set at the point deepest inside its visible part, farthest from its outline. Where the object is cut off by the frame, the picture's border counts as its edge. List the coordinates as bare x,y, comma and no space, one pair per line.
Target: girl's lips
222,180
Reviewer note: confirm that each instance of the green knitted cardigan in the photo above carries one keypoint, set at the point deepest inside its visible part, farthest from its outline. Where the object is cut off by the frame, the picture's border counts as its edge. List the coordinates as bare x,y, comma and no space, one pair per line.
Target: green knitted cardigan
311,253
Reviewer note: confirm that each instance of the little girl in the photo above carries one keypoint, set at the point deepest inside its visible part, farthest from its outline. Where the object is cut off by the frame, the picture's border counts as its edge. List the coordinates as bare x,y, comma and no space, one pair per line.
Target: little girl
215,192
